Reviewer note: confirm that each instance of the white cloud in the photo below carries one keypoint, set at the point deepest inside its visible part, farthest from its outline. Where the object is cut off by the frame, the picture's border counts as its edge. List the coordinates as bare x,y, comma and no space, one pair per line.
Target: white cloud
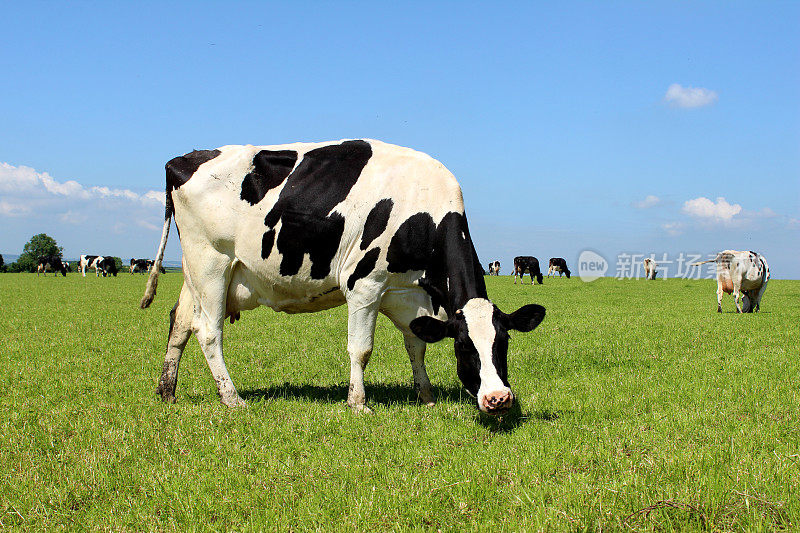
649,201
12,210
689,97
674,228
26,183
719,211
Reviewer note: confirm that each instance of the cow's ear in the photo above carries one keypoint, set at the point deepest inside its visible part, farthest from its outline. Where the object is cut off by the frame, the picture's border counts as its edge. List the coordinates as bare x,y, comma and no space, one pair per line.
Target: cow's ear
429,329
526,318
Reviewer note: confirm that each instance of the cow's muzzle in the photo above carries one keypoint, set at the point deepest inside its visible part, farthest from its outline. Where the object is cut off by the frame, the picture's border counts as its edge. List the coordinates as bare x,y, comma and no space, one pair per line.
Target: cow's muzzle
497,403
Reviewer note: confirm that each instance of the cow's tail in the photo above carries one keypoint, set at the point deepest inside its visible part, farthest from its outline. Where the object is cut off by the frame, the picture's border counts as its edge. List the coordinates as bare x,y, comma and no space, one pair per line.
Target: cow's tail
152,280
704,262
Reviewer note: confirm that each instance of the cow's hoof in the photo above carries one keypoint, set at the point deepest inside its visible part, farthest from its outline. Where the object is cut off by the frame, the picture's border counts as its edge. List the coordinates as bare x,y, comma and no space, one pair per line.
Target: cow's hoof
167,396
427,399
361,408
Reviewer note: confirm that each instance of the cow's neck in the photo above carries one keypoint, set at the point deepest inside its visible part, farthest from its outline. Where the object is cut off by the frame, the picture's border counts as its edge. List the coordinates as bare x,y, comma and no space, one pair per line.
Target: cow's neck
456,272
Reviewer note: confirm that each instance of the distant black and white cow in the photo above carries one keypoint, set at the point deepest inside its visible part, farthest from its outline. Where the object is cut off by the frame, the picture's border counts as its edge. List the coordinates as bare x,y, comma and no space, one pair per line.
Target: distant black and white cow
51,263
650,268
106,265
141,265
494,268
89,261
745,274
558,264
310,226
527,263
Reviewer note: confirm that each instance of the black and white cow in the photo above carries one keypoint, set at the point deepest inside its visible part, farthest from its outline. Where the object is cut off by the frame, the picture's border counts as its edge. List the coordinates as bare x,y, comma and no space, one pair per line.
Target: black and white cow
89,261
51,263
310,226
141,265
527,263
650,266
743,274
106,265
494,268
558,264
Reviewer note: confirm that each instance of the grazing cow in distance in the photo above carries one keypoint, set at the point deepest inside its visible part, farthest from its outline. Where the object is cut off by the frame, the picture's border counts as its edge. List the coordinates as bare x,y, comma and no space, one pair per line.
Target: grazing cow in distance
558,264
51,263
141,265
650,268
527,263
89,261
743,274
309,226
494,268
107,265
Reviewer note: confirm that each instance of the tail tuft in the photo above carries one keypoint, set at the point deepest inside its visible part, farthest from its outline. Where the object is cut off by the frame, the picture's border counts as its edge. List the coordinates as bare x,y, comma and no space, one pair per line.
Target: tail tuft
152,280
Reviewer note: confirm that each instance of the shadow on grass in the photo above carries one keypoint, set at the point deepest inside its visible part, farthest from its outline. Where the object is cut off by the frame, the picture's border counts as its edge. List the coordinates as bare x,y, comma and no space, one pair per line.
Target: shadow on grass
515,418
376,393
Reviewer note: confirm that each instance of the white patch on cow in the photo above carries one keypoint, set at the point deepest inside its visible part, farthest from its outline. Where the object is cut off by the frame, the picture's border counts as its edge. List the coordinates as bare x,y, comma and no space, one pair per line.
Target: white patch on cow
478,315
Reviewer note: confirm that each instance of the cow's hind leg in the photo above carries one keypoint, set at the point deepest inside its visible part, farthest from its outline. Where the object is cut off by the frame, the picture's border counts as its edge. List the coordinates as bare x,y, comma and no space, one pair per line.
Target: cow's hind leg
720,292
737,295
361,320
209,284
180,329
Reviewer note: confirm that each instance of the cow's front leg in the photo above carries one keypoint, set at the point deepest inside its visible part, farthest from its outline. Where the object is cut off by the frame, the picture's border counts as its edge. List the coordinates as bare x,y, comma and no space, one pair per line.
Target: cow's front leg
180,329
360,334
416,354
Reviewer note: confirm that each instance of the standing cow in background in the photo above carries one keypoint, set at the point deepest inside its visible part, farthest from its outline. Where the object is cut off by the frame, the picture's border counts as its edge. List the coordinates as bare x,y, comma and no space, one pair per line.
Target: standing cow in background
650,268
310,226
558,264
51,263
741,272
89,261
527,263
494,268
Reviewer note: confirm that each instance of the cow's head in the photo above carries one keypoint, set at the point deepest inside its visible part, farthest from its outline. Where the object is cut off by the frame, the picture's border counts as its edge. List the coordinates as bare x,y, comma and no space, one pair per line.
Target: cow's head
480,331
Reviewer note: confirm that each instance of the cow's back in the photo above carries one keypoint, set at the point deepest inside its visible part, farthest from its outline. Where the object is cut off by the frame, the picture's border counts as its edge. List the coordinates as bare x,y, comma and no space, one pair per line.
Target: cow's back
307,217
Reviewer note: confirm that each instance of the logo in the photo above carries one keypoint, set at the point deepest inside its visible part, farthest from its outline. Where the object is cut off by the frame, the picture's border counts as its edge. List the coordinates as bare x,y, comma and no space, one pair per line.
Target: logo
591,266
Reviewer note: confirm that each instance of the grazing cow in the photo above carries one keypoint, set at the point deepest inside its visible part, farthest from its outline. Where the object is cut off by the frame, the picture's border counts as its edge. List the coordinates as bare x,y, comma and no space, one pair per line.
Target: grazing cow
51,263
89,261
650,268
558,264
741,272
494,268
141,265
310,226
527,263
106,266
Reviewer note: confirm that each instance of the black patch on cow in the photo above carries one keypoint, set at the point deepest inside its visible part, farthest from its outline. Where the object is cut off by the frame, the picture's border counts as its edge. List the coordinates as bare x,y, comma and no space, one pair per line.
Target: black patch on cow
444,252
267,241
364,267
412,244
376,223
181,169
322,180
270,168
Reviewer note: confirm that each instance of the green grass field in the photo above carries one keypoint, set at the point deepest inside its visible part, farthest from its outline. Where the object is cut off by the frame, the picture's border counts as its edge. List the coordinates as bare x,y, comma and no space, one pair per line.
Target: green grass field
640,408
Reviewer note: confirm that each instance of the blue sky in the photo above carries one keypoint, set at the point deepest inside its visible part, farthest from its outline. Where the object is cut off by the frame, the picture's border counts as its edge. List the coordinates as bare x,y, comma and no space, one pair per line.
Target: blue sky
615,127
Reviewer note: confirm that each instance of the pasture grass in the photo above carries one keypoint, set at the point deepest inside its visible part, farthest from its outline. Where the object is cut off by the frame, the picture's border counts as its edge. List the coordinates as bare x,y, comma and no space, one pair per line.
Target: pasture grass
640,408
